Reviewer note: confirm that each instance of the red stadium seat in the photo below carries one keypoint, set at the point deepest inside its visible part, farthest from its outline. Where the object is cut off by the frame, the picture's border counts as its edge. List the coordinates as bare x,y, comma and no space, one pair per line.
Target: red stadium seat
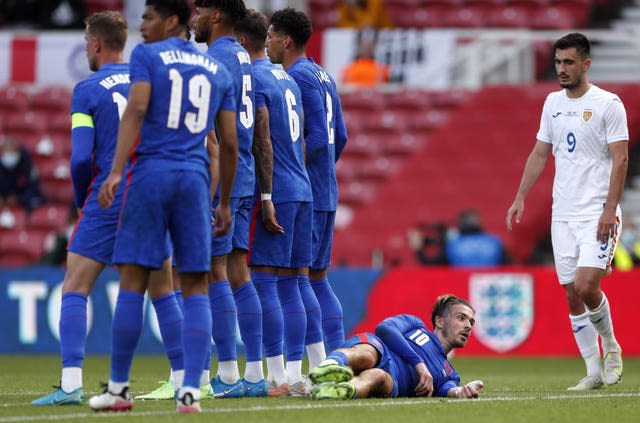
553,18
510,17
19,125
23,246
49,217
363,146
378,169
347,169
423,122
403,144
52,100
55,170
409,99
356,193
12,219
467,17
13,99
387,121
363,99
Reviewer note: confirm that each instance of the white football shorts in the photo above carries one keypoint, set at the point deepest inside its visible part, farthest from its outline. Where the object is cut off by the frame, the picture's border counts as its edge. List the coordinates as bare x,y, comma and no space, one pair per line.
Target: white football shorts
575,245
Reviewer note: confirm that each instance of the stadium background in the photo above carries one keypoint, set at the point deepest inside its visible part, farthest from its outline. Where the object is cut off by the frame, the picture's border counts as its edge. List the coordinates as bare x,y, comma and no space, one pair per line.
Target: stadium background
451,131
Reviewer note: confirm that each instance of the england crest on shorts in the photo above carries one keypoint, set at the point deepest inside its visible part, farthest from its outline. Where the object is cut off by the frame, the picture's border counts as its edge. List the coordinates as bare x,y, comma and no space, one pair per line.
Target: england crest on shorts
504,309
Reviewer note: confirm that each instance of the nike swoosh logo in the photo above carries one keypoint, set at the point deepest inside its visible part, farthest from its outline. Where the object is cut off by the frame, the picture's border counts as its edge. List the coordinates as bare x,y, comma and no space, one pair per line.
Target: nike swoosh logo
225,392
579,328
597,321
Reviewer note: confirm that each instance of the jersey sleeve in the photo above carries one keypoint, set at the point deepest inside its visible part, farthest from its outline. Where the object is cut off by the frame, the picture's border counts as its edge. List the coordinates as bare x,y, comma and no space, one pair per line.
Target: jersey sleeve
391,331
260,93
616,121
82,144
341,129
229,98
140,65
544,134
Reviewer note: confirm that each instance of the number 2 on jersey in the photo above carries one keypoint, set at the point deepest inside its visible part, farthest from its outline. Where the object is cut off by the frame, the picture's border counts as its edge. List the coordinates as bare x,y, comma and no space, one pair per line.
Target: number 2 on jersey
330,119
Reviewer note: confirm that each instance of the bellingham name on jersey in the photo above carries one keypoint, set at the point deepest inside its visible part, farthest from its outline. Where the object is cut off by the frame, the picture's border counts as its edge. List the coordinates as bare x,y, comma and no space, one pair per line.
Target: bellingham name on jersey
170,57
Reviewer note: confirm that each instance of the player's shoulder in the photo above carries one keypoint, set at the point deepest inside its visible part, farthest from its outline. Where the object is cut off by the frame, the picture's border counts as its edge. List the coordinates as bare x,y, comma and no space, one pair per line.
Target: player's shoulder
600,94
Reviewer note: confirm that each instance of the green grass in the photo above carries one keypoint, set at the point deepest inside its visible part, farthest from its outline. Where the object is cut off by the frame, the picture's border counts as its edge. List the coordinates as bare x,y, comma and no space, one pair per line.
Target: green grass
517,390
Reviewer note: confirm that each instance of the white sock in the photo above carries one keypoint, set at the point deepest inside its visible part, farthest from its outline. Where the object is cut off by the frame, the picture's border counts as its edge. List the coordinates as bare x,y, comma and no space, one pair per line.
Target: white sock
205,377
177,378
601,320
117,387
195,392
71,379
315,354
253,371
294,371
228,371
171,379
327,361
275,370
587,340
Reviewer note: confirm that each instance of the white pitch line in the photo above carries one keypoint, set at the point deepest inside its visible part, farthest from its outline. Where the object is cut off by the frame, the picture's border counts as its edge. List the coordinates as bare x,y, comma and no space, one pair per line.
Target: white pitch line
309,406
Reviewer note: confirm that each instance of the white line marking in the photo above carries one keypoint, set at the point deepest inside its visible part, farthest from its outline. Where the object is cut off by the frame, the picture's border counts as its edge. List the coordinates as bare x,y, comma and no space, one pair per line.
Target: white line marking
309,406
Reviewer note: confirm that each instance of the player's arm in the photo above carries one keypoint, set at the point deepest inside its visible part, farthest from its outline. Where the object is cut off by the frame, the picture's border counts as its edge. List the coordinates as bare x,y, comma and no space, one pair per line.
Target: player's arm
82,143
391,331
470,390
214,161
315,120
620,161
341,130
228,145
128,131
533,168
263,153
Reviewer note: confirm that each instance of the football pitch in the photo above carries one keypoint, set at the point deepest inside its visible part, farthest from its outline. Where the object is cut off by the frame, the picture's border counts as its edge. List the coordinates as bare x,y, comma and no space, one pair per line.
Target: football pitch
517,390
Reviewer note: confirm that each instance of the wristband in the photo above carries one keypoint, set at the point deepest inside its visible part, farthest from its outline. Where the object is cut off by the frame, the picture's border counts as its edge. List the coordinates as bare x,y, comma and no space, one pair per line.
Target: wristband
265,197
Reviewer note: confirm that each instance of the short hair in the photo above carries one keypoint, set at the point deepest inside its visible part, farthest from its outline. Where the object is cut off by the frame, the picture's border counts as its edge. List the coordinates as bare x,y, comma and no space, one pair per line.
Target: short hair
577,40
254,28
234,9
443,304
110,27
293,23
166,8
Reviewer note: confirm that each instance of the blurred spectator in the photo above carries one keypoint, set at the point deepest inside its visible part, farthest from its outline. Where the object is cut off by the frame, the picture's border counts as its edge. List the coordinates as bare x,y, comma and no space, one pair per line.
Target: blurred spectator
472,246
19,184
428,243
365,71
56,244
628,250
361,14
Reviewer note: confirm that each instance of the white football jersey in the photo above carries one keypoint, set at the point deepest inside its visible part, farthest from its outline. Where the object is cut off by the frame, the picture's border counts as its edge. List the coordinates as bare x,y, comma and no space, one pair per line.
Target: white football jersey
580,130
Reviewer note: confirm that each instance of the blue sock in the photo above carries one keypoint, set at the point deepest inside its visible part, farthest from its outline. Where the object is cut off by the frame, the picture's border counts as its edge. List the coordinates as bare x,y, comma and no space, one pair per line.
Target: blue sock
224,314
178,294
294,316
73,328
332,323
196,336
125,332
170,322
339,357
272,323
249,320
312,307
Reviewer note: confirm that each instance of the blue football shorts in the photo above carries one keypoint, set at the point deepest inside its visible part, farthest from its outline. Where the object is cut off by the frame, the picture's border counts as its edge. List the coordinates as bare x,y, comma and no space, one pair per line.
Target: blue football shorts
323,222
238,235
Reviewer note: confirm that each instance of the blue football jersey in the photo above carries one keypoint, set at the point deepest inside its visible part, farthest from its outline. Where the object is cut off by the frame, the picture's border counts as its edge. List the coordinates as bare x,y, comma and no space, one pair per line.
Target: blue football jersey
188,89
278,92
103,96
407,337
235,58
325,132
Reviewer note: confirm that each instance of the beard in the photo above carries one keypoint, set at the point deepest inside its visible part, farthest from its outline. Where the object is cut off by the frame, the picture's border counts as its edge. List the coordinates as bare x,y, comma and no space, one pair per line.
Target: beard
571,84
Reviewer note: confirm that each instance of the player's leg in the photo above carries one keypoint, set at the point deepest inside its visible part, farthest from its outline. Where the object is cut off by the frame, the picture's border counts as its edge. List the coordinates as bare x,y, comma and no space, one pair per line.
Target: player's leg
369,383
356,355
565,247
594,262
332,317
249,310
79,280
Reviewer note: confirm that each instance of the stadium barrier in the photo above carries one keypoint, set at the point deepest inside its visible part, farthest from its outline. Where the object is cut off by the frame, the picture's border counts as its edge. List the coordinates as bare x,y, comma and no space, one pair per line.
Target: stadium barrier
519,310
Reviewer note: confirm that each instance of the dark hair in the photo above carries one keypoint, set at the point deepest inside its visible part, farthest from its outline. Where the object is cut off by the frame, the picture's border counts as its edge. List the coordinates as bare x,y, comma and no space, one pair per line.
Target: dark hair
234,9
443,304
110,27
293,23
254,28
166,8
577,40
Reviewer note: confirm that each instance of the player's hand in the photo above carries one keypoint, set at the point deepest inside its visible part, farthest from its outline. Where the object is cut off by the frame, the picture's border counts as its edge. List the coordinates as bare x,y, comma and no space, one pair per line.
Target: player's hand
606,225
269,218
108,190
222,221
470,390
516,210
425,381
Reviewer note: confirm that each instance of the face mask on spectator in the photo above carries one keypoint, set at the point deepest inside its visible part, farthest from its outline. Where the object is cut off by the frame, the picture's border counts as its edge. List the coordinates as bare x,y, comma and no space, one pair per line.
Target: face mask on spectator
10,159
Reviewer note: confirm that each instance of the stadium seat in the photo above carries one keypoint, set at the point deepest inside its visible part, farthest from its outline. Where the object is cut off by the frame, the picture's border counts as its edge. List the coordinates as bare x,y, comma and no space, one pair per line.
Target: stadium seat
94,6
409,99
363,100
49,217
509,17
12,218
346,169
60,191
356,193
13,99
55,170
466,17
21,125
403,144
424,122
378,169
22,246
387,121
363,146
553,18
52,98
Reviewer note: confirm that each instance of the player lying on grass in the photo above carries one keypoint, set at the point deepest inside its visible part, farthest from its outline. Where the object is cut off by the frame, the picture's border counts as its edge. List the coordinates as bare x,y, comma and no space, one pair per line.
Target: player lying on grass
402,359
